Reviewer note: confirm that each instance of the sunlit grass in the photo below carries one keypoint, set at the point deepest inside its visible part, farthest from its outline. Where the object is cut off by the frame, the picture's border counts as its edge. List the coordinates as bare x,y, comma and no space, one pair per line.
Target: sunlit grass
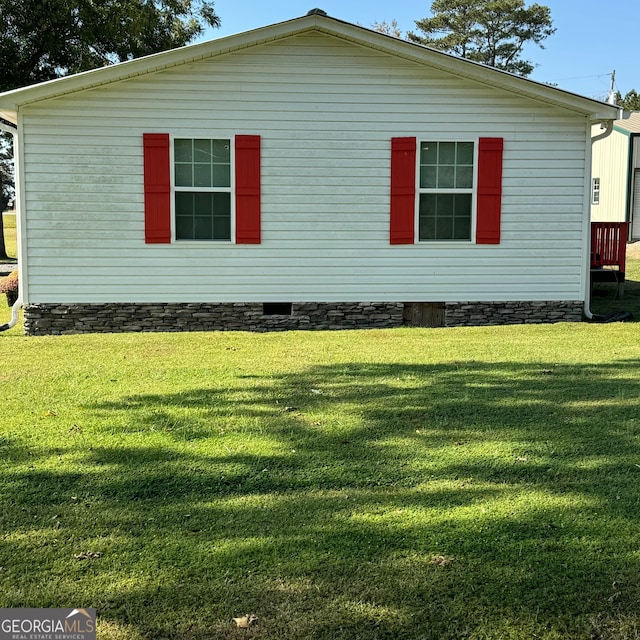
478,483
9,222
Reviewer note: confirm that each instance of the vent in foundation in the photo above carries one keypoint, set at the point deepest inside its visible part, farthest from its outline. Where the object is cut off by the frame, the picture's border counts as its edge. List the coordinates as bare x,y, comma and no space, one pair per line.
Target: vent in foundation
277,309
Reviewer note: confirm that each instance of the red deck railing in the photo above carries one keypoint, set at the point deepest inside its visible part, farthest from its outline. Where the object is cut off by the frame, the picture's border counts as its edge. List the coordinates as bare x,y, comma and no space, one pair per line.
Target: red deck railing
609,244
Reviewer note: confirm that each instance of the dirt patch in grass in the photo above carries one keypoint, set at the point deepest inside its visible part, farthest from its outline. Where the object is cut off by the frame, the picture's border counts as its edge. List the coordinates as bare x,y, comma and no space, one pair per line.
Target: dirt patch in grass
633,250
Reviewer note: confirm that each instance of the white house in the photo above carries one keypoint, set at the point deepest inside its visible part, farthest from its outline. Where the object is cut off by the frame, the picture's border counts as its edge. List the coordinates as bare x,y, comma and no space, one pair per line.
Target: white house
312,173
615,183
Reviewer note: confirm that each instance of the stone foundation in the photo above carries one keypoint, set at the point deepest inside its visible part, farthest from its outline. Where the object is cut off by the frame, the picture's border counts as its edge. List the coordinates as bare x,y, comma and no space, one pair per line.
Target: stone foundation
46,319
56,319
468,314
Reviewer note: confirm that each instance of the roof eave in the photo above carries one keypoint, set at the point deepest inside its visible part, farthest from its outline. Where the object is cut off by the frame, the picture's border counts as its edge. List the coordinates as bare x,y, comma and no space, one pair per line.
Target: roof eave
595,110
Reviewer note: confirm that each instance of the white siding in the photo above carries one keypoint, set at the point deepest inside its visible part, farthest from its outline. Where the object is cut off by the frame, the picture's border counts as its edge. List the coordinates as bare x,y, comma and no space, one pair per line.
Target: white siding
635,206
610,164
326,111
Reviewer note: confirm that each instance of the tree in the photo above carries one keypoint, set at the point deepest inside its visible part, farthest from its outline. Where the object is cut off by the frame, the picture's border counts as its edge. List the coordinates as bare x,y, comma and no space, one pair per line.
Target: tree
45,39
6,184
631,101
389,29
493,32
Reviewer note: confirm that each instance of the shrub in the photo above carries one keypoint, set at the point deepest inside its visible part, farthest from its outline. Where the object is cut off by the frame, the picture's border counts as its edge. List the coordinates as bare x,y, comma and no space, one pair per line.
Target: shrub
9,286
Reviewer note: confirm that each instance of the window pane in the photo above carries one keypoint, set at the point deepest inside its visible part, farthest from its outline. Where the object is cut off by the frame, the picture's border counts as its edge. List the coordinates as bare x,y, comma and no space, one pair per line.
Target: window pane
465,153
444,204
447,153
427,230
184,175
445,216
184,204
222,151
183,150
221,175
462,205
462,229
429,153
203,216
202,163
201,175
444,228
202,151
184,228
221,228
427,204
222,204
428,177
446,177
464,177
202,204
202,228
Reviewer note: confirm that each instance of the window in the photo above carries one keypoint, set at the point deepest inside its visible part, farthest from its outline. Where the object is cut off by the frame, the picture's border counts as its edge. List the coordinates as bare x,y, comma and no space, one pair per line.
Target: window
202,180
407,189
446,190
595,191
200,193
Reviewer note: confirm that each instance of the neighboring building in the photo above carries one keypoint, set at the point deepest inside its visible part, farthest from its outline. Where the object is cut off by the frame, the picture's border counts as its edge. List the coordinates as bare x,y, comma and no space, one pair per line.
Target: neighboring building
309,174
615,182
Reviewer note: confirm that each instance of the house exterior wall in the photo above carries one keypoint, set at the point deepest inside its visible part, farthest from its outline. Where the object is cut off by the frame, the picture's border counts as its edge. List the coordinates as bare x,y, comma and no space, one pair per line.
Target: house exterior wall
610,163
634,189
326,111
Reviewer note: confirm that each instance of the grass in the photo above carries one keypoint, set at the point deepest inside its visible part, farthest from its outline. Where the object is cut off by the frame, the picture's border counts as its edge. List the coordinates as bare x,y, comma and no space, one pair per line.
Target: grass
469,483
604,300
9,223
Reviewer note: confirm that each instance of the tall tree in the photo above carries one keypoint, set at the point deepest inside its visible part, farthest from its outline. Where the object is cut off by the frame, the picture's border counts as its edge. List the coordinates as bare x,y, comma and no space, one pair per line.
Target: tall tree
45,39
630,102
493,32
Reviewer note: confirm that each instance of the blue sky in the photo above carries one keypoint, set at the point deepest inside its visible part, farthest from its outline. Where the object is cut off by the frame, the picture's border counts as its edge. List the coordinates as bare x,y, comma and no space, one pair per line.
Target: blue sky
592,38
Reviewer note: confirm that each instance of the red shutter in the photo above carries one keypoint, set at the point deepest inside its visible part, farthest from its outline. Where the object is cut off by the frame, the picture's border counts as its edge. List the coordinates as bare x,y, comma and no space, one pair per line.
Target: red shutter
157,188
247,189
489,190
403,190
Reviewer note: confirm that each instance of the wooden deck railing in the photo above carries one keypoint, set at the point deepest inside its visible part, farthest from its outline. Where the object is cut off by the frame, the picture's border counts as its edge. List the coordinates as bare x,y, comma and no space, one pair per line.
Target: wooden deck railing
609,245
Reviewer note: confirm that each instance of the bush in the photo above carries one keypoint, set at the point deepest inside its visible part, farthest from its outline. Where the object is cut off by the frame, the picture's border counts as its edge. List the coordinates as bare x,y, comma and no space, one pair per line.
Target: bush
9,286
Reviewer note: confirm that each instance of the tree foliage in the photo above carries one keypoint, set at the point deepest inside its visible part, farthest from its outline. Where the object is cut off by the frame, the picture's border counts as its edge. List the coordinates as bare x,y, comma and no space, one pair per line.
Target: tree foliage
630,102
493,32
45,39
388,28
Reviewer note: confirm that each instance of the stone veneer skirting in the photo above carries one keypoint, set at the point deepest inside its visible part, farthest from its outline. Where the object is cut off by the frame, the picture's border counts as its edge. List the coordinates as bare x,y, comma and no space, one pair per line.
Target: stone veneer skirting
469,314
48,319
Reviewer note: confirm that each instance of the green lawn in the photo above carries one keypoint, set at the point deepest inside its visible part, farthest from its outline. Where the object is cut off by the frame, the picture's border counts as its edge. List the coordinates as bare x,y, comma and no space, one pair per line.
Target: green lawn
476,483
9,223
604,300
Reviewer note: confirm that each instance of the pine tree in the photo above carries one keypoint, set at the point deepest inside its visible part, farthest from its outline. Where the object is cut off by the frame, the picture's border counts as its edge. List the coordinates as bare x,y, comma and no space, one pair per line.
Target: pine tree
493,32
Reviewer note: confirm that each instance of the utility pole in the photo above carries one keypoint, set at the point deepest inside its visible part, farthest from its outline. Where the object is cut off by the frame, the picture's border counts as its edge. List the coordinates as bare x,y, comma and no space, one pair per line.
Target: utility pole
612,94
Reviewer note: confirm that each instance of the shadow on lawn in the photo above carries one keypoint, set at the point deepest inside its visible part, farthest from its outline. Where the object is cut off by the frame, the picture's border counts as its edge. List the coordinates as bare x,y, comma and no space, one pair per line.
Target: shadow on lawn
382,501
605,299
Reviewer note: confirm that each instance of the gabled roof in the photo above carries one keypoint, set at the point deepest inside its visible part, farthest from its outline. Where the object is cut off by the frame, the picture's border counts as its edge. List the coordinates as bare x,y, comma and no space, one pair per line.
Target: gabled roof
316,21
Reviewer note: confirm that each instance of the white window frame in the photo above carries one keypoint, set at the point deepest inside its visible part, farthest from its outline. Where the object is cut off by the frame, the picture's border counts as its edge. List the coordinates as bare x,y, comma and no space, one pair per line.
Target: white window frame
595,191
473,190
230,189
